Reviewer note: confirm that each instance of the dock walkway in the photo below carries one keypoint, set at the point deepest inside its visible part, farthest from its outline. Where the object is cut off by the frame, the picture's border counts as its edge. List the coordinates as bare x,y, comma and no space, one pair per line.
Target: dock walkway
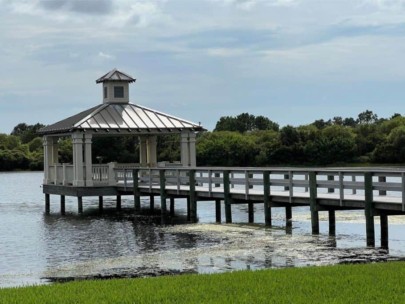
377,191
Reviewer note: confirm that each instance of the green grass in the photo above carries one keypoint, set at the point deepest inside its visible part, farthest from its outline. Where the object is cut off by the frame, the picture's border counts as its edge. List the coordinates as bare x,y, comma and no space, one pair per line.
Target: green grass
366,283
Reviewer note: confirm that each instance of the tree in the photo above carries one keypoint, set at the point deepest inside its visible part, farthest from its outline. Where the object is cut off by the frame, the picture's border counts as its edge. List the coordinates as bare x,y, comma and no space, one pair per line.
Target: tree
26,132
263,123
320,123
225,149
367,117
245,122
349,122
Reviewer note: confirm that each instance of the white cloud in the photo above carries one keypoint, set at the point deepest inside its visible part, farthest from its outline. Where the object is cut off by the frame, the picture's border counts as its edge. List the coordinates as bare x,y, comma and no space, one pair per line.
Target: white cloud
249,4
225,52
117,13
388,4
106,56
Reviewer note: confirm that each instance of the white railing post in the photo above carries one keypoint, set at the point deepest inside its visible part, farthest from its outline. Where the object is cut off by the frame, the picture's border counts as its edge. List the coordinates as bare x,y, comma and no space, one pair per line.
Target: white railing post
403,190
111,174
290,185
55,168
246,184
64,177
341,188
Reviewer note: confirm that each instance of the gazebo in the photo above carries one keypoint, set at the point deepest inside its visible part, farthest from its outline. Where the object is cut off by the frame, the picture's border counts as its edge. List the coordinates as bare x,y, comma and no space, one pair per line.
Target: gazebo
116,116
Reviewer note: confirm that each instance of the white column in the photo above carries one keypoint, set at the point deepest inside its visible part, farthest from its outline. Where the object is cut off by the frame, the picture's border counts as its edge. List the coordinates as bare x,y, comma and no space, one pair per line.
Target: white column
88,160
77,140
47,143
152,151
191,148
112,181
184,149
142,151
55,152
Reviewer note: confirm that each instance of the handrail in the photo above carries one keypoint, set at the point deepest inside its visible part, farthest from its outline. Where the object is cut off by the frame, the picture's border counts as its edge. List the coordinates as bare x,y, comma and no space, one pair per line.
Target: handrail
290,181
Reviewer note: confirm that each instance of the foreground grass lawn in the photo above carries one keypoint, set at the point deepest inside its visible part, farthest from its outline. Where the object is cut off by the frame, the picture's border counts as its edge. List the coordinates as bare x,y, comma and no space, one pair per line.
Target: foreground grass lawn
368,283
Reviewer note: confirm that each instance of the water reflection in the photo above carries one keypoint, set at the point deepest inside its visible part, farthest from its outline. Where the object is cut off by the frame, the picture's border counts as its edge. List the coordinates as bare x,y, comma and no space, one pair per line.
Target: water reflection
121,244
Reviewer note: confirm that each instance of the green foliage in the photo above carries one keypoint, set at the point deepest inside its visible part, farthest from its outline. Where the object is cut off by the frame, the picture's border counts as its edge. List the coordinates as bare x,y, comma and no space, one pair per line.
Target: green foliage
366,283
225,149
26,132
122,149
16,155
244,123
243,140
168,148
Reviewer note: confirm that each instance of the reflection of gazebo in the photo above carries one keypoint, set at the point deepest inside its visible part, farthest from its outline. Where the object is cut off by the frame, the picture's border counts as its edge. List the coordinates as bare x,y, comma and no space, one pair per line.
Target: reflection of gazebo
115,116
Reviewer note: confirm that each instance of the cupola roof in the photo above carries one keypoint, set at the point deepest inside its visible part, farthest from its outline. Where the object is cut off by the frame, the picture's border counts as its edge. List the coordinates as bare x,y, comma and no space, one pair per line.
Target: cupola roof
115,75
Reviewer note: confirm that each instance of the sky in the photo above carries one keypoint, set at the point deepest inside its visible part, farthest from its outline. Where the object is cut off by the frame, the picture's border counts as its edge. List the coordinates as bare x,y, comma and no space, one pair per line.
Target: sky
293,61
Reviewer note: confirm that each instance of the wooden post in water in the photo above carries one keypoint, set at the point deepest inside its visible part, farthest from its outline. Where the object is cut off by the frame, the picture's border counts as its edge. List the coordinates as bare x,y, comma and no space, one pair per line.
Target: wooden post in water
313,204
369,208
251,212
47,203
137,196
288,215
152,203
384,230
188,209
80,204
266,198
227,198
100,204
218,210
172,206
332,222
163,208
193,199
118,202
62,205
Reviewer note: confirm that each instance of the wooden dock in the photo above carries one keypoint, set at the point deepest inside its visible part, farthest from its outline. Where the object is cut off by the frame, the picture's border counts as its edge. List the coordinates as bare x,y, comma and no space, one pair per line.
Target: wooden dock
377,191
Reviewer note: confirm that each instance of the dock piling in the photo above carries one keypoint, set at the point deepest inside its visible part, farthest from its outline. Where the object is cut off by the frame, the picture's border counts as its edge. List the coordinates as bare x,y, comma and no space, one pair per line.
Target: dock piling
137,197
193,202
266,198
118,202
227,198
172,206
47,203
80,204
218,210
313,203
384,230
369,209
188,209
288,215
151,203
251,213
163,208
332,222
62,205
100,204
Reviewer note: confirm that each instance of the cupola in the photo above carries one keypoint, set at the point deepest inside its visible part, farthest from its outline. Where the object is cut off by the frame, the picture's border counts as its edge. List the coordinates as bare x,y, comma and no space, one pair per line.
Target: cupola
115,86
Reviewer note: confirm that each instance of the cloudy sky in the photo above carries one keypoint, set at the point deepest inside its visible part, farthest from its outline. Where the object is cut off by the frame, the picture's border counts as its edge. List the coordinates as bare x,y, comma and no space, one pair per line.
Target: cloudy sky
293,61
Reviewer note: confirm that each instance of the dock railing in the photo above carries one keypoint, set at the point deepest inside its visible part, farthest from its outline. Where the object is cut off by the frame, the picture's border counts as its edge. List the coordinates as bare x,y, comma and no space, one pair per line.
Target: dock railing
388,185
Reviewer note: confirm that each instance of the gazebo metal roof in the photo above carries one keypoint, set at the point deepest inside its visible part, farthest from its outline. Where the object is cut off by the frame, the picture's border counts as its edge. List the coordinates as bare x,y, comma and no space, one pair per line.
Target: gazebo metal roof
115,75
121,117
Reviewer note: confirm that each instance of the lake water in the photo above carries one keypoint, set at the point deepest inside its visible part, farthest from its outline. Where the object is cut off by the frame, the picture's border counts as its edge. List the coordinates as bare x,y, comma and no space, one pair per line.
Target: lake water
37,249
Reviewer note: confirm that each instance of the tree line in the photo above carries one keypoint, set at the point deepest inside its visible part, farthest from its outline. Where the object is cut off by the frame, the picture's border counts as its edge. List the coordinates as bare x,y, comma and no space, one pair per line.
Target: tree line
242,140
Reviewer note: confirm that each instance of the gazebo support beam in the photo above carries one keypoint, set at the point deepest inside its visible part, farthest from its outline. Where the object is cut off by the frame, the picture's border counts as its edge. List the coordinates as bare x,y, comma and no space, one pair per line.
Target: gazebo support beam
88,159
78,178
